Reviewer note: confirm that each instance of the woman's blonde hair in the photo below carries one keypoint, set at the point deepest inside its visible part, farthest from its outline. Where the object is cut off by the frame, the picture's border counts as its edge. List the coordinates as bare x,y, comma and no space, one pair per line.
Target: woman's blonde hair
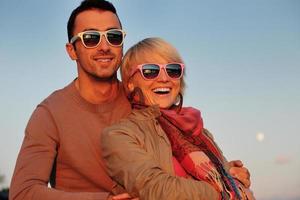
144,52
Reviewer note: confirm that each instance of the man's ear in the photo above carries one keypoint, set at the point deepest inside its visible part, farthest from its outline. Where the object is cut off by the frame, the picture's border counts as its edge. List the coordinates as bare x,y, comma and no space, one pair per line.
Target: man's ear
71,51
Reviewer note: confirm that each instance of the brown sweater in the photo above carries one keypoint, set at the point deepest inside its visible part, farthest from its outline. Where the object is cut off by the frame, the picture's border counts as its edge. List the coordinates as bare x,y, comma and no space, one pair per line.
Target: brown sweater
65,128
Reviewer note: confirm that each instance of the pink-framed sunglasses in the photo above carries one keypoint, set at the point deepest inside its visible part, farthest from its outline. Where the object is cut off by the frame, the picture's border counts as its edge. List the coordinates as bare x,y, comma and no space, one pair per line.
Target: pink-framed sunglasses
151,71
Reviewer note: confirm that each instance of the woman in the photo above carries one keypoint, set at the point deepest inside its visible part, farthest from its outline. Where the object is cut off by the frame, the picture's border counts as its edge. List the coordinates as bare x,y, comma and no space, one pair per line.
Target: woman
161,150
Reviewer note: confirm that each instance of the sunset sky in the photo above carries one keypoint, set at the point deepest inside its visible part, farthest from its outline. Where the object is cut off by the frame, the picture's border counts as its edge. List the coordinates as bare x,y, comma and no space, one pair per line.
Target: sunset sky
243,72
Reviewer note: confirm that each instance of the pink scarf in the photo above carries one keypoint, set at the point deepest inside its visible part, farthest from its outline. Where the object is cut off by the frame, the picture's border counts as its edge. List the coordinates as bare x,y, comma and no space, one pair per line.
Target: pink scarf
197,153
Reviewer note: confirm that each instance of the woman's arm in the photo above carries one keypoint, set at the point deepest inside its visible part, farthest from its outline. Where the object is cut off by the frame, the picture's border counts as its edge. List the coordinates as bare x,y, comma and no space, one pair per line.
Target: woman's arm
137,170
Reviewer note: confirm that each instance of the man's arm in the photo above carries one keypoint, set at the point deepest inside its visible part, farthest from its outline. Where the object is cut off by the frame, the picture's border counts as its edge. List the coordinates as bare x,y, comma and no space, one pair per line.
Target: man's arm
35,162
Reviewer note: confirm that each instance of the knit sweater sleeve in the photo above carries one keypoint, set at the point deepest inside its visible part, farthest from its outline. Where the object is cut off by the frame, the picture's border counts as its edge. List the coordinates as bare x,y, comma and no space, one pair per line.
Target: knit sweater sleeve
35,161
138,171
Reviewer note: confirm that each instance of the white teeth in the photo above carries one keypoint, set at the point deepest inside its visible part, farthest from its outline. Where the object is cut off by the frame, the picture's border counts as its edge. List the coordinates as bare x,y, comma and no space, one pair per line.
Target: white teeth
104,60
161,90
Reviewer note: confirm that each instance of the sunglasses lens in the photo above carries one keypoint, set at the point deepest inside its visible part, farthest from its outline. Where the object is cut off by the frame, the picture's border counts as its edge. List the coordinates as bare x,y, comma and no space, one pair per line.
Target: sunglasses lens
174,70
91,39
115,37
150,71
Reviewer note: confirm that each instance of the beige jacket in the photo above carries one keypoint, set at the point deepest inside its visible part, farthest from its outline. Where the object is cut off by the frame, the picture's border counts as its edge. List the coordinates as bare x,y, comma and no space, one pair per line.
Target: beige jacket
138,156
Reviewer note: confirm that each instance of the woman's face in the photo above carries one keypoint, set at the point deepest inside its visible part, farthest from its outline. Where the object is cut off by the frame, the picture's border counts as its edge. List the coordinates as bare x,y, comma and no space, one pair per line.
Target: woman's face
162,91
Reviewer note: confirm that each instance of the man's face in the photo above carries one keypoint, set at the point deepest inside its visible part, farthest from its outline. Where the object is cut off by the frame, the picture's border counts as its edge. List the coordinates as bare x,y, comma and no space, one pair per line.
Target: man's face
102,61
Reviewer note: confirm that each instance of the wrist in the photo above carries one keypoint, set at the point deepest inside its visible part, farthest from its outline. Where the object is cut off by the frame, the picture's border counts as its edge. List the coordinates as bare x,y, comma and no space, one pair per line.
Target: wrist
110,197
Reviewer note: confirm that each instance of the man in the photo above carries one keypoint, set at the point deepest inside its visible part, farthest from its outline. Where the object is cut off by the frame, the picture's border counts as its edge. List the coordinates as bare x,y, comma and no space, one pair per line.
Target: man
62,138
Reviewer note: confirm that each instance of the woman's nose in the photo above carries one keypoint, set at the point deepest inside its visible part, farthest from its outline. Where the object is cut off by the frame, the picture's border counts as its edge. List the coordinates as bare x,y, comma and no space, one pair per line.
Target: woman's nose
163,76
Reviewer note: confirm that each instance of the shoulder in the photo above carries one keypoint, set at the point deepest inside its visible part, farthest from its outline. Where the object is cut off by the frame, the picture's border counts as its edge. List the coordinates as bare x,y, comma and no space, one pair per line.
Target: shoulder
134,125
44,111
43,120
123,134
127,125
208,134
58,96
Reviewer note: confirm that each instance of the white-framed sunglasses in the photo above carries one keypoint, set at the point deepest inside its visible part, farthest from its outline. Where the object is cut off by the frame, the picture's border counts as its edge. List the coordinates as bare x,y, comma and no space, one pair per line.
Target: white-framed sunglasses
92,38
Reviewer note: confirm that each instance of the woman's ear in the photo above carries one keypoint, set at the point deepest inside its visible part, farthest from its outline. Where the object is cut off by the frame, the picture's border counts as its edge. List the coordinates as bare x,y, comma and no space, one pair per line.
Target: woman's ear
130,86
71,51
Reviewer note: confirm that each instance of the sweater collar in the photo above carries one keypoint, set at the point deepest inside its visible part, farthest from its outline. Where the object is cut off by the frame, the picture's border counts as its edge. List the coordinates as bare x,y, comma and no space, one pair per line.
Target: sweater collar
96,108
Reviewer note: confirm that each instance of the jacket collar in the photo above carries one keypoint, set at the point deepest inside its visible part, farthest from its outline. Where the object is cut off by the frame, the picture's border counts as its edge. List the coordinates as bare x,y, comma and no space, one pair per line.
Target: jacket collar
150,112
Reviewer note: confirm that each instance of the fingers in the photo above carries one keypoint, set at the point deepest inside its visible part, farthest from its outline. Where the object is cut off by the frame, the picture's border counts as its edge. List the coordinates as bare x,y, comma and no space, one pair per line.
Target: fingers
242,174
123,196
235,163
249,194
239,170
246,182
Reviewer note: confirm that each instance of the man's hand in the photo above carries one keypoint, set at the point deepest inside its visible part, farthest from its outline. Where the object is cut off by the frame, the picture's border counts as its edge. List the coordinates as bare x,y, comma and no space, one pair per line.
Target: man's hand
123,196
249,194
239,172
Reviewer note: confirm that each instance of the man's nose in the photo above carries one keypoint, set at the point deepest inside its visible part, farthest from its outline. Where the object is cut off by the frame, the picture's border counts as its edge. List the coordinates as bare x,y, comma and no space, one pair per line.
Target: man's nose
104,45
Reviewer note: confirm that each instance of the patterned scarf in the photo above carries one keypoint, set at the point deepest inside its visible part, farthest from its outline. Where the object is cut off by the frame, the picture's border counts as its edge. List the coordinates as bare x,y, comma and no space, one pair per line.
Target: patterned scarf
196,153
190,147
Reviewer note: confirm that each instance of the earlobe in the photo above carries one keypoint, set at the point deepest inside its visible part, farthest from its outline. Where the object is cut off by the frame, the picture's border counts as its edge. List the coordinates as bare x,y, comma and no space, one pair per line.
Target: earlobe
130,86
71,51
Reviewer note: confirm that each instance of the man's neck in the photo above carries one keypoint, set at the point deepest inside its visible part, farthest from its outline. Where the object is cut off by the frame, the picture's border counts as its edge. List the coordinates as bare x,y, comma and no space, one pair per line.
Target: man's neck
97,91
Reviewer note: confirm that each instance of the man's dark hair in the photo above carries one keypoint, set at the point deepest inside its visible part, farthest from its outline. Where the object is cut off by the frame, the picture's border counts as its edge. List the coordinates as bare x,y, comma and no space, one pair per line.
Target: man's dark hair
89,5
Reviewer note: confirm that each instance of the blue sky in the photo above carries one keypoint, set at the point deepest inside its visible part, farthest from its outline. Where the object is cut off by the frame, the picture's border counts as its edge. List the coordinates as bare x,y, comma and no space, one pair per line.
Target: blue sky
243,68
